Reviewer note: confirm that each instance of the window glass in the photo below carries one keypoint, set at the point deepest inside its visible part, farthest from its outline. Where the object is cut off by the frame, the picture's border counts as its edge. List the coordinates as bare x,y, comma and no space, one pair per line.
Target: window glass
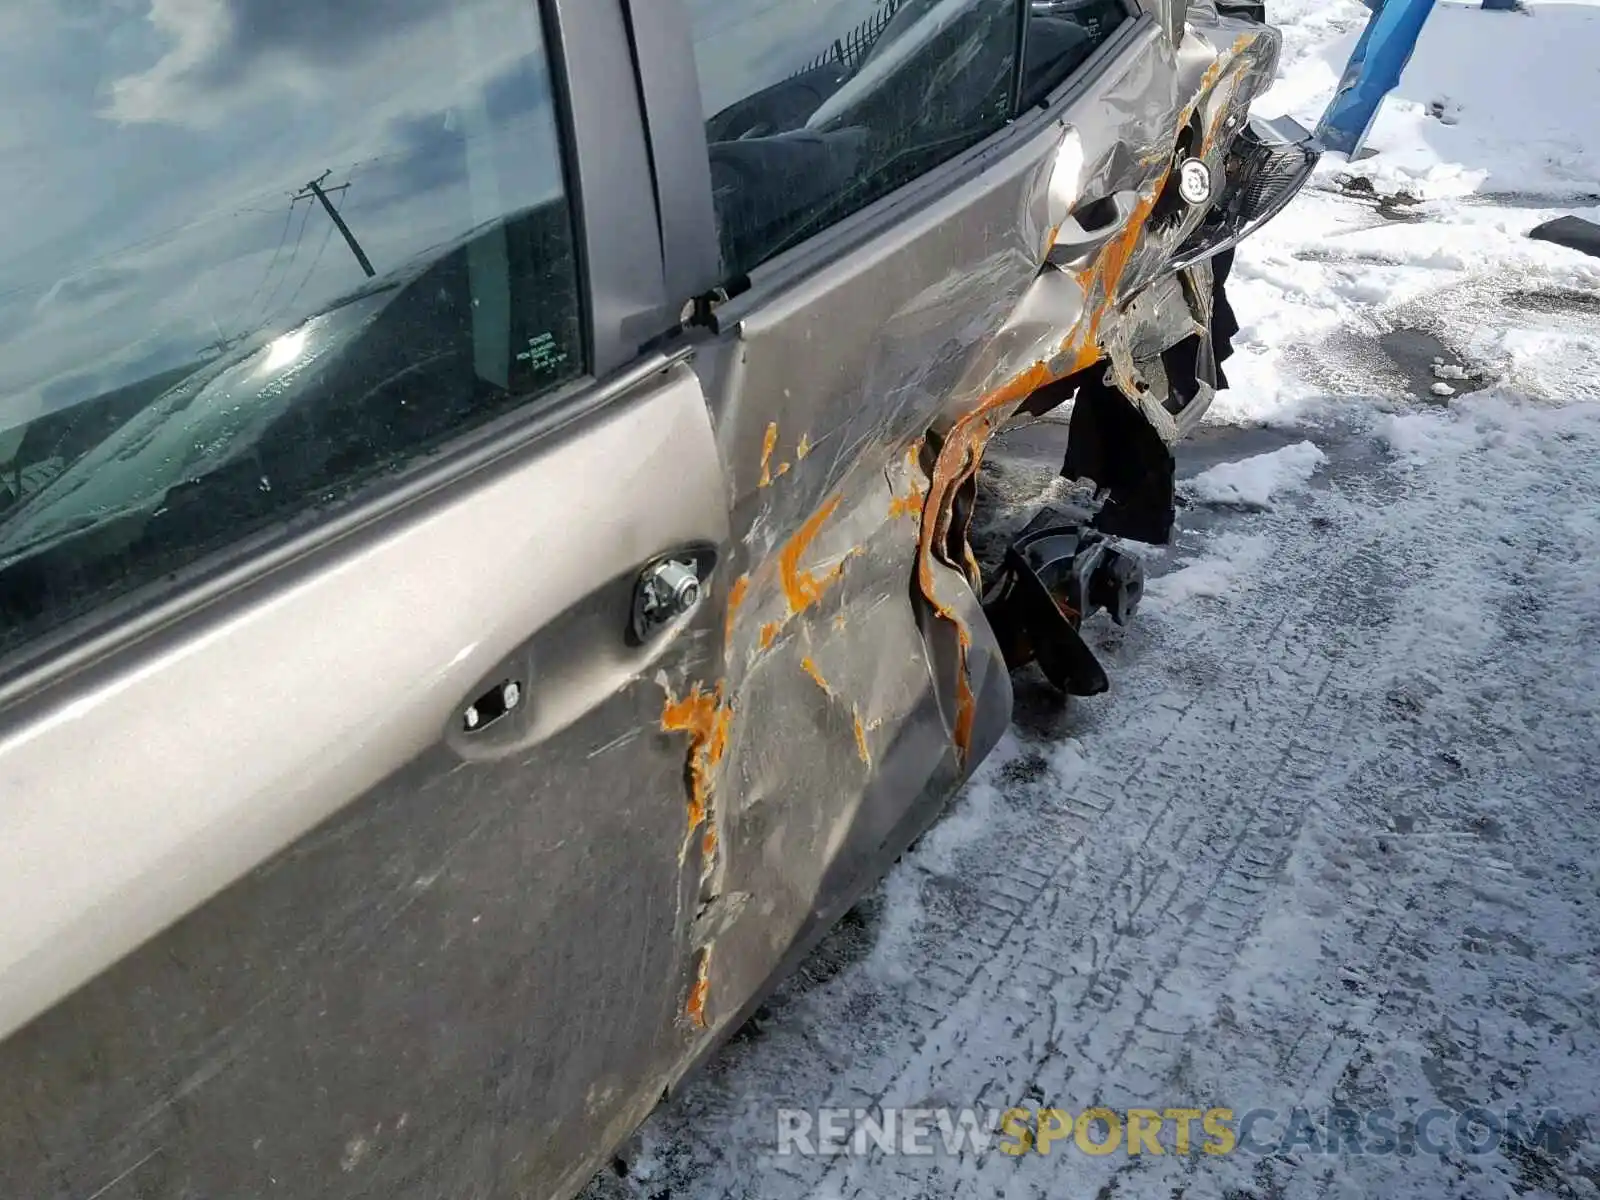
1062,34
816,108
254,253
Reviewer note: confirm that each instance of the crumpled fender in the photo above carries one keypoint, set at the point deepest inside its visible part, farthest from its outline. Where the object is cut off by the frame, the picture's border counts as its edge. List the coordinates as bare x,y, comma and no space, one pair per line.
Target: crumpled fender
1068,322
811,725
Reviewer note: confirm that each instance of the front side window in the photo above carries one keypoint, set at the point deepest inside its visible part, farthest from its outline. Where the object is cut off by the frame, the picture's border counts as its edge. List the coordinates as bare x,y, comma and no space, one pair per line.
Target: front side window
253,255
816,109
1062,34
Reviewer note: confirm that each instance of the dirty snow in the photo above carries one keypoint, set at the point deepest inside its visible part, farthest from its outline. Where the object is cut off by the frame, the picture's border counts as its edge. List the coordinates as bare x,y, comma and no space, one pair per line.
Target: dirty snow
1333,840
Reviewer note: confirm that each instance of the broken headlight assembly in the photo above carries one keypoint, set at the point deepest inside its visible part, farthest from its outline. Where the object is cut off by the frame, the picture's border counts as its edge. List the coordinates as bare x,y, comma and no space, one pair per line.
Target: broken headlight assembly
1265,168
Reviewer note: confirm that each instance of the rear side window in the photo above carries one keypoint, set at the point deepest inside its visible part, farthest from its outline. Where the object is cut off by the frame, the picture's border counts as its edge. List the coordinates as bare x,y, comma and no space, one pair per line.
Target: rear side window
253,255
816,108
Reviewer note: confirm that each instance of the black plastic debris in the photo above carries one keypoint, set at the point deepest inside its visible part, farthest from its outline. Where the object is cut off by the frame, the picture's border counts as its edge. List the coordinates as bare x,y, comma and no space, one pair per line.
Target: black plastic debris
1572,232
1058,572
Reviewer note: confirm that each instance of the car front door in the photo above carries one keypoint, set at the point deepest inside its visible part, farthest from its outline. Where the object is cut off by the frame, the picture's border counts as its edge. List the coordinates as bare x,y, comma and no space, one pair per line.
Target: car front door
918,212
346,841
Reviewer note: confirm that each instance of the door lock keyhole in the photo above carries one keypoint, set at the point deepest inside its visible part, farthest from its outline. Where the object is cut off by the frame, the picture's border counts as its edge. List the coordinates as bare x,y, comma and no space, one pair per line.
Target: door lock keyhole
665,592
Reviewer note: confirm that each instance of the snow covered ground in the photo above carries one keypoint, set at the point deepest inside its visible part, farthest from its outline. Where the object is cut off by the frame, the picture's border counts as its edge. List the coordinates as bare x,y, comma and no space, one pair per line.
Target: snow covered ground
1331,846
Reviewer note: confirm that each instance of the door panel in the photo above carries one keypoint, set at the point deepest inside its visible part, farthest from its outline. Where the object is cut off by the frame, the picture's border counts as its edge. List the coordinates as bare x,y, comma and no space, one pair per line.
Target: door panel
855,387
459,985
860,684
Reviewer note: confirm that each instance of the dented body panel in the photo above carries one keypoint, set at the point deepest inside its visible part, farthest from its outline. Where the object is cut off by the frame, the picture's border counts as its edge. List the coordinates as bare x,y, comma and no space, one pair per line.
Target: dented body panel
858,680
475,974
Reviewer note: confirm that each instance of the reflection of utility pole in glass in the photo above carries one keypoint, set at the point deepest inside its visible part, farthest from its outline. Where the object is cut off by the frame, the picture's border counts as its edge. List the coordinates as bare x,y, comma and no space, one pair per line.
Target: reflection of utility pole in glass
315,188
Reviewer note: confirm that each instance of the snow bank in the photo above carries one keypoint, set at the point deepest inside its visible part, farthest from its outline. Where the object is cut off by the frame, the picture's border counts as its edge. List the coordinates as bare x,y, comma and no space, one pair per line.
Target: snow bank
1490,133
1253,482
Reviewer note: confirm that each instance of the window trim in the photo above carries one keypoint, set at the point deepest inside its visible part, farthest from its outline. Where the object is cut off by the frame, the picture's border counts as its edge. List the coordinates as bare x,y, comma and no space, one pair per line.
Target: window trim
607,168
669,86
1019,79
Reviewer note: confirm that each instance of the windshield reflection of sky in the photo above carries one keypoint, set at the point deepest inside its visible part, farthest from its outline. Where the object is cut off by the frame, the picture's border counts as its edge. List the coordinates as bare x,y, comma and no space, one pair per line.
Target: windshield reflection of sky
151,147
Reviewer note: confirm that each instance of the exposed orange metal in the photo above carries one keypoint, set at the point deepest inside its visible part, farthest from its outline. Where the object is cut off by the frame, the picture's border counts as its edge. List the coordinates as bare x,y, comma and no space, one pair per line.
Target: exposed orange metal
736,595
700,990
862,748
966,702
801,587
961,453
705,718
768,445
708,843
908,505
810,668
769,634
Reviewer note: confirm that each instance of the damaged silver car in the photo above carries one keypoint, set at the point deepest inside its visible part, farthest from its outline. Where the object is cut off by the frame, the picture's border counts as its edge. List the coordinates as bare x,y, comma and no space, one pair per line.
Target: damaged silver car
486,492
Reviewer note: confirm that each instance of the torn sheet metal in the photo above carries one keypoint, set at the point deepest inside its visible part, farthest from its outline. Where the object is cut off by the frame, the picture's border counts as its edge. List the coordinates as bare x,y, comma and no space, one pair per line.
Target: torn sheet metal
1098,327
858,682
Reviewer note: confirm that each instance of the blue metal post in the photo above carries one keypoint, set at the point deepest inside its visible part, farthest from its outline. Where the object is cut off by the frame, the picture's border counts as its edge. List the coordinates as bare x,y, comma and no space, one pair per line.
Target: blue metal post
1372,73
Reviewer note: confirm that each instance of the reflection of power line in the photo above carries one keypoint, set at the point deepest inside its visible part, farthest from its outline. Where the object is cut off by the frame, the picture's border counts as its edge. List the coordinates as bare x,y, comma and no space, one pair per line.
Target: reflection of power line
266,308
315,188
166,235
171,233
283,240
327,237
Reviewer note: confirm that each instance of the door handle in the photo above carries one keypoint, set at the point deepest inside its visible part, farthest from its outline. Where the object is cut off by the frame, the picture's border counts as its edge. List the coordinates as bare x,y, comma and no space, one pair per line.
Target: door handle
1091,224
668,589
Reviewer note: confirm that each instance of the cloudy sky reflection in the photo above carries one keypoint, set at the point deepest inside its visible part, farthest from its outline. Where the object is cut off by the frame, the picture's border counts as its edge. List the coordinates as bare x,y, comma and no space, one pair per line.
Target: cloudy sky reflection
150,147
